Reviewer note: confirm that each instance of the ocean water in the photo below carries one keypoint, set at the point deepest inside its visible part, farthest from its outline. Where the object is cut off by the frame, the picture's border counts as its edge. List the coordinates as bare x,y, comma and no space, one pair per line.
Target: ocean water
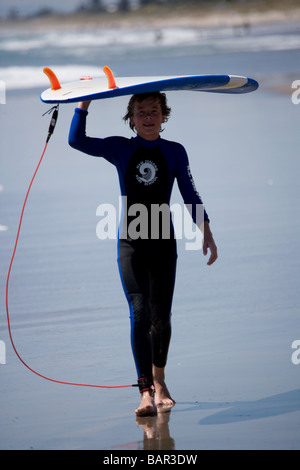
139,50
230,365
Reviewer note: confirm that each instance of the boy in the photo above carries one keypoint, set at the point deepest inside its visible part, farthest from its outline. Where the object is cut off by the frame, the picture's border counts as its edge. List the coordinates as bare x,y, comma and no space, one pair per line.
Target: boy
147,166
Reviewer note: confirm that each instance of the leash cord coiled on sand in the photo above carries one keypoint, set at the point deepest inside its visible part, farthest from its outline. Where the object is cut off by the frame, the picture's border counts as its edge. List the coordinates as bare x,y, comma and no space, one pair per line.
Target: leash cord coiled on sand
50,132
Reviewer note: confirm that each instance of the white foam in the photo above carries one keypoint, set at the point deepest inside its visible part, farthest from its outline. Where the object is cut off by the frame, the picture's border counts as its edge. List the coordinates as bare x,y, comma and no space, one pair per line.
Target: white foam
229,38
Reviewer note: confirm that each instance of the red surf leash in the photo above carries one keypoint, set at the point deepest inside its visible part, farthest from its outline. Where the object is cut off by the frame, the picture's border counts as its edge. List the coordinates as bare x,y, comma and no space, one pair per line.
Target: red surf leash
50,132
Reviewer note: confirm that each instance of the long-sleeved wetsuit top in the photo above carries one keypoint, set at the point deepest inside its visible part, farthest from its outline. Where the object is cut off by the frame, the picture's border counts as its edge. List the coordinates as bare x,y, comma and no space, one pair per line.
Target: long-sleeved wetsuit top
147,170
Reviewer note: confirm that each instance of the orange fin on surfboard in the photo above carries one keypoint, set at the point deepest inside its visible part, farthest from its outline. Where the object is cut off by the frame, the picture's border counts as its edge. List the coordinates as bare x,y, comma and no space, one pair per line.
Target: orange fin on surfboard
54,82
55,85
110,77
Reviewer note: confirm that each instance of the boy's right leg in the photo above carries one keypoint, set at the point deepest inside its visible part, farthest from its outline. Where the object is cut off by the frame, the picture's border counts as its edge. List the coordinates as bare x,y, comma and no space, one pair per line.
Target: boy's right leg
134,277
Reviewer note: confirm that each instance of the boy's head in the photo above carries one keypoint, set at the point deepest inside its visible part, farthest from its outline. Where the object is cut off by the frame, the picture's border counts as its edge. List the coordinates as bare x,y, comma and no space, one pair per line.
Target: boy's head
147,102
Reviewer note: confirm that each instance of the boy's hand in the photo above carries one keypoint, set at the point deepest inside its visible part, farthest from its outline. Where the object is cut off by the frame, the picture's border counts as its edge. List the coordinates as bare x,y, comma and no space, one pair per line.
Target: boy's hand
85,104
209,244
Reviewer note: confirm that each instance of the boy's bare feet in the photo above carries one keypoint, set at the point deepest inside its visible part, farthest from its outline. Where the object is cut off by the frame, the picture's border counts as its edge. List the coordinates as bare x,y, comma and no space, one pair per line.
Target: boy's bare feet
162,399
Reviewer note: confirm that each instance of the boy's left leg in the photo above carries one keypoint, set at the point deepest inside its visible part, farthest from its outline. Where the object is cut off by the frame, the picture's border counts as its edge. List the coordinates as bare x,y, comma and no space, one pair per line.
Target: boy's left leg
162,282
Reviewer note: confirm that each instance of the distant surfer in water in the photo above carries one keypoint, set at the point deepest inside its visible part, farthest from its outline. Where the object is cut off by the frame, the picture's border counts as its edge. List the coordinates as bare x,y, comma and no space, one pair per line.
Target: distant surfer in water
147,166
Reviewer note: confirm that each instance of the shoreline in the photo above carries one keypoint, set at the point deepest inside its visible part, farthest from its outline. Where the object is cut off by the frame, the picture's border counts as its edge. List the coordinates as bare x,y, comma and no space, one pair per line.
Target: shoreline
159,17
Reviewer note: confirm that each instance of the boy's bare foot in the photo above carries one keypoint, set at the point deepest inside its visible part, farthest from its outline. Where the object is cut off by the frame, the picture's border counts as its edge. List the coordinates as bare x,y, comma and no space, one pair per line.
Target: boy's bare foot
163,399
147,406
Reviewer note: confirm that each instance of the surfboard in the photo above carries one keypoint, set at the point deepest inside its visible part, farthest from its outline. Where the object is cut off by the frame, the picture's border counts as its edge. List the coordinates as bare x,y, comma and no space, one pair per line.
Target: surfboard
109,86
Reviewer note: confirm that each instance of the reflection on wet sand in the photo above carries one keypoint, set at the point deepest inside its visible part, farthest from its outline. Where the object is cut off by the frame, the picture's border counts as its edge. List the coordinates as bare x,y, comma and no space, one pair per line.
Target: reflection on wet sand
156,432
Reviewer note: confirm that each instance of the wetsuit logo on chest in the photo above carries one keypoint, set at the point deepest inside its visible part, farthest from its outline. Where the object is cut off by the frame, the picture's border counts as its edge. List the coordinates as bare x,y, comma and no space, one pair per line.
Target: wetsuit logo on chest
147,172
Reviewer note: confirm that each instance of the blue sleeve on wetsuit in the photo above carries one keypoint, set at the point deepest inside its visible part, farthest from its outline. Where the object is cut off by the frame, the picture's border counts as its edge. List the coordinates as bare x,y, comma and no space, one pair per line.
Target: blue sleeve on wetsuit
107,147
186,184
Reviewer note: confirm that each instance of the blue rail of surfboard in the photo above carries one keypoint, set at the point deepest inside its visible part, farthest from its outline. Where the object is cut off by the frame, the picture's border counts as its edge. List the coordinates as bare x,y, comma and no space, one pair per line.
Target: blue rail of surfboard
192,83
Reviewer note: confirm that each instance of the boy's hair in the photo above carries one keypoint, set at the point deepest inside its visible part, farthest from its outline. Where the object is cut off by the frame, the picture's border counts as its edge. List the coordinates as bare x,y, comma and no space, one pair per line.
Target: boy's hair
157,95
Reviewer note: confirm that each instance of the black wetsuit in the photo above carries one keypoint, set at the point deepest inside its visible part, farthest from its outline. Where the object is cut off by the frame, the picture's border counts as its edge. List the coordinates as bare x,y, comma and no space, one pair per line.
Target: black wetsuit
146,254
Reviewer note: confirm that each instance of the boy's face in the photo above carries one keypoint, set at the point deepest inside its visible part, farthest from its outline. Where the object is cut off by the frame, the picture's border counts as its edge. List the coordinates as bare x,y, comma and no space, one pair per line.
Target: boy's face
147,118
